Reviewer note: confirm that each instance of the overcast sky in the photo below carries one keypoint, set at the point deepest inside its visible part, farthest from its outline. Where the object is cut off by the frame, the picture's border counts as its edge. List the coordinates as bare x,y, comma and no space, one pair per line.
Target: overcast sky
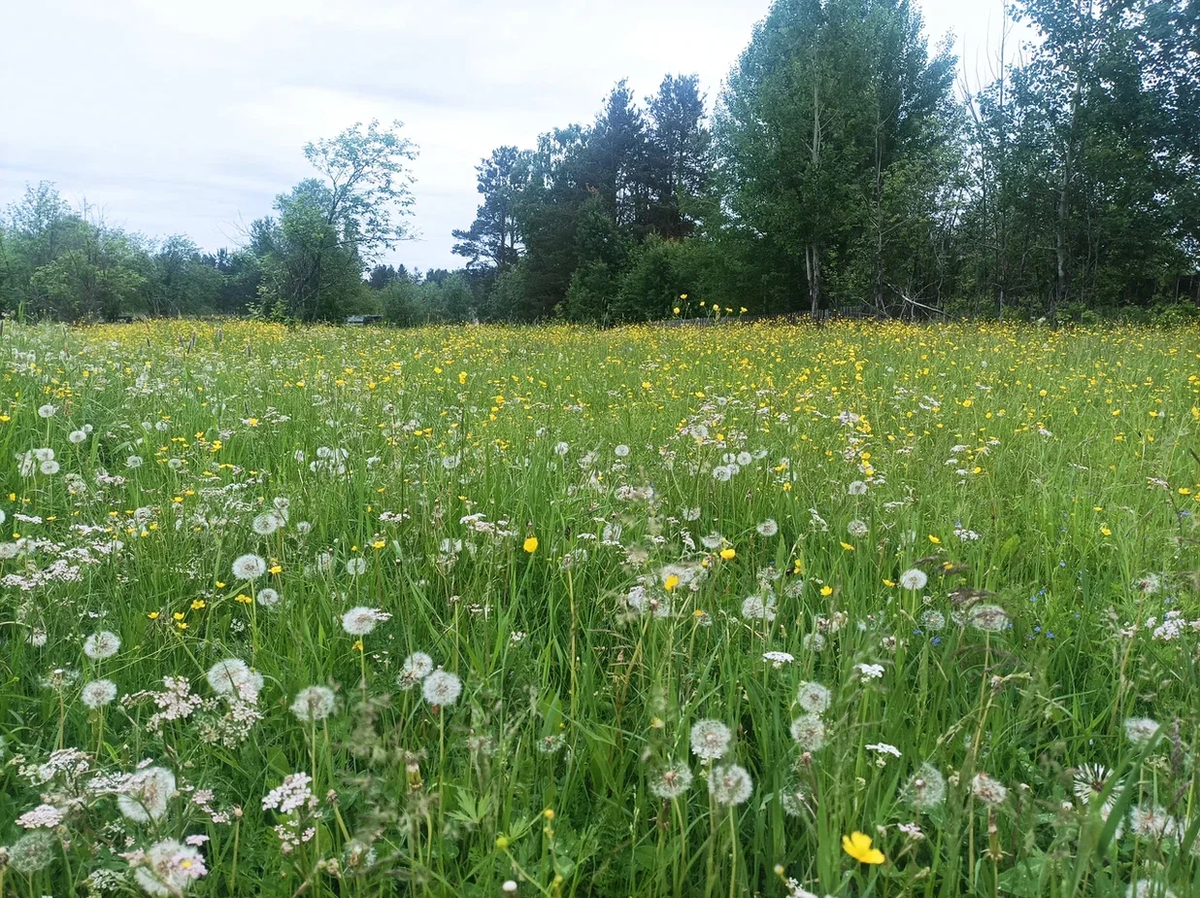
177,116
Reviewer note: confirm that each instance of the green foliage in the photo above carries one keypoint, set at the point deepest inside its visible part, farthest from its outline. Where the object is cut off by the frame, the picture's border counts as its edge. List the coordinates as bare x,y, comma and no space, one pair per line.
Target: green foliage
977,539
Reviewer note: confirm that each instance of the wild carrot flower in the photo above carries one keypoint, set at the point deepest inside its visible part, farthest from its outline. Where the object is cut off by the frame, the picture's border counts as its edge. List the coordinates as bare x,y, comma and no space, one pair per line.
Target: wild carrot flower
44,816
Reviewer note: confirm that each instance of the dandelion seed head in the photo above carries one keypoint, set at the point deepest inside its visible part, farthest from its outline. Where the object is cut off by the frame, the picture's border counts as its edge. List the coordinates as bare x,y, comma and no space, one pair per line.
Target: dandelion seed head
441,688
102,645
710,739
730,785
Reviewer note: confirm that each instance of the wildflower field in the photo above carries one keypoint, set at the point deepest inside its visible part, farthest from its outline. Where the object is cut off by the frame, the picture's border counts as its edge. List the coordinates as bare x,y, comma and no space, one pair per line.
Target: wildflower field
871,610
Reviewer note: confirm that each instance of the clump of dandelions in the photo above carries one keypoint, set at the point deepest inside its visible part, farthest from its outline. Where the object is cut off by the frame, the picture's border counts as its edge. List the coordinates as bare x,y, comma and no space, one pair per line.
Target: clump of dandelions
248,567
672,781
813,698
710,739
441,688
730,785
102,645
415,668
312,704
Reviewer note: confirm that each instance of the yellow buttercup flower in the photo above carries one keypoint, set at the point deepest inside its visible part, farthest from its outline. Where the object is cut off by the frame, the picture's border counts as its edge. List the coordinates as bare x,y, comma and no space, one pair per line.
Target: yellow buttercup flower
671,582
531,544
858,846
728,554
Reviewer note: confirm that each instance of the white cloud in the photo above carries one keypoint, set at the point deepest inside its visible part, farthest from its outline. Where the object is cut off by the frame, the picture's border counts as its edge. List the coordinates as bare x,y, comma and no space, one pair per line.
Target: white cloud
189,116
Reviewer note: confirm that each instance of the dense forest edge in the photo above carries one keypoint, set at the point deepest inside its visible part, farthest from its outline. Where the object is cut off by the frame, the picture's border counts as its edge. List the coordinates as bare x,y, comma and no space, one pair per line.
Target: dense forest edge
846,165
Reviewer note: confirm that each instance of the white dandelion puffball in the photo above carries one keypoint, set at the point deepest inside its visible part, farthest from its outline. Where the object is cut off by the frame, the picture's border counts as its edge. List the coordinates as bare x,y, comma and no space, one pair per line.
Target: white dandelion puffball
767,528
46,411
1140,730
988,790
98,693
730,785
361,620
233,678
622,451
356,566
267,597
313,704
914,578
926,788
248,567
441,688
857,488
809,732
813,698
102,645
77,436
266,523
988,618
145,794
710,739
415,668
672,781
759,608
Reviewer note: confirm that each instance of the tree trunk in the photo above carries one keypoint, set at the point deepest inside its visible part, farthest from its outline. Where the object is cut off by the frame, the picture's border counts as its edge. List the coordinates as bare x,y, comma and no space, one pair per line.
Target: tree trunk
812,258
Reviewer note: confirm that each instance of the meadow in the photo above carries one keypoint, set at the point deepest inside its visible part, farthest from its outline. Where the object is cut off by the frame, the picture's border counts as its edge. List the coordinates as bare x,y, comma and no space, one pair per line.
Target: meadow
868,610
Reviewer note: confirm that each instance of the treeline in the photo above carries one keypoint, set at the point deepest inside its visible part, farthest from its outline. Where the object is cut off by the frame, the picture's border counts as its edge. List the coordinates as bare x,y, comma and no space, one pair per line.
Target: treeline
841,165
841,168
